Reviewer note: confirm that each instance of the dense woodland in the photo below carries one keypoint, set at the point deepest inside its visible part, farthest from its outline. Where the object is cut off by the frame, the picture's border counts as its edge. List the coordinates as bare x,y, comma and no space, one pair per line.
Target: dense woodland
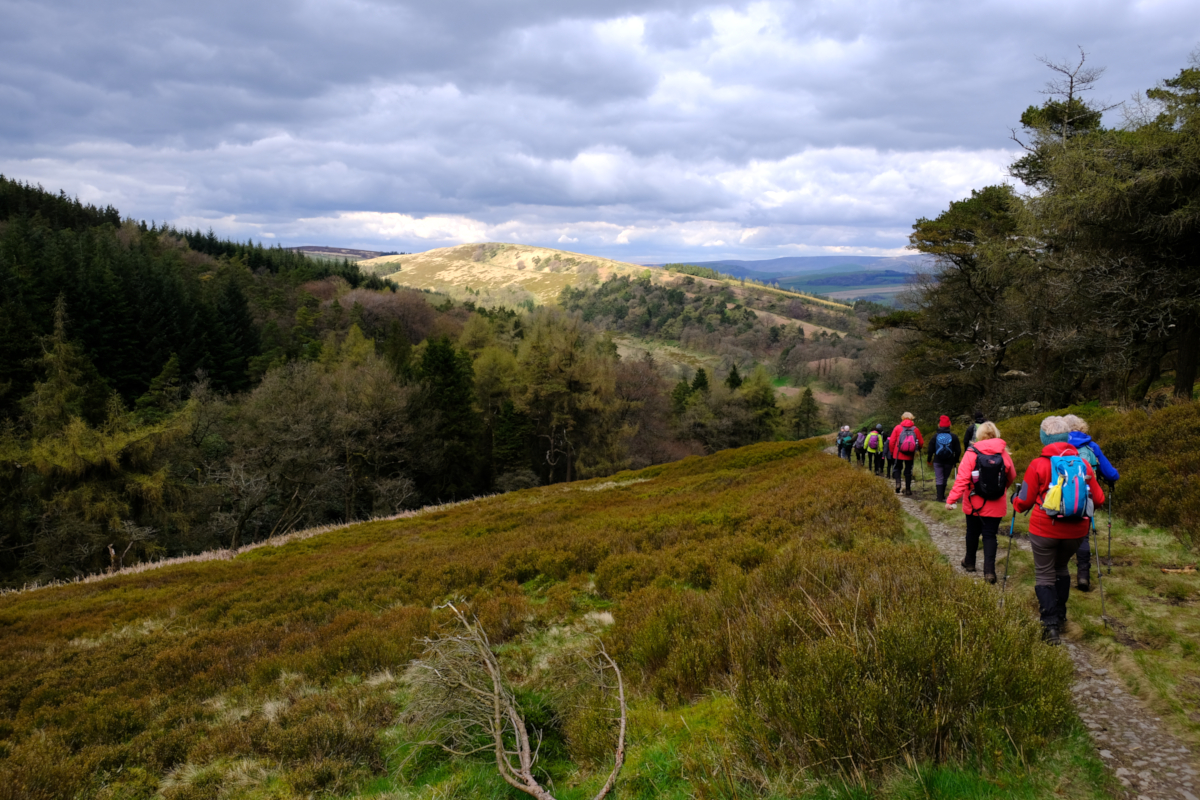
167,392
1087,284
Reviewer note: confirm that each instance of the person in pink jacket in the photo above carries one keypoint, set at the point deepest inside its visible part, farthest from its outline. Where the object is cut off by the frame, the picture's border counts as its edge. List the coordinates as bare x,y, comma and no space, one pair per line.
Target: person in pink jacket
984,475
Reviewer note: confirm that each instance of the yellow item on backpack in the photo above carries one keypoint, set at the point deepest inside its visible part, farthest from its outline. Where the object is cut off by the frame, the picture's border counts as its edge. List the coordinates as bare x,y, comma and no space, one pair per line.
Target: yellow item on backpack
1052,503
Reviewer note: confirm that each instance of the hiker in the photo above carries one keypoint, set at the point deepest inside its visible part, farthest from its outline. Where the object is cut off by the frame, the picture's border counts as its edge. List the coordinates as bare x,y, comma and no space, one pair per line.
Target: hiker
860,446
943,455
984,476
969,436
1061,492
1090,452
904,444
845,442
875,444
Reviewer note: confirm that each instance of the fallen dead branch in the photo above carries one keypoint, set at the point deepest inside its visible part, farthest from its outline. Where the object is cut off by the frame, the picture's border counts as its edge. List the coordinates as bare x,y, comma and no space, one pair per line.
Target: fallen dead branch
462,703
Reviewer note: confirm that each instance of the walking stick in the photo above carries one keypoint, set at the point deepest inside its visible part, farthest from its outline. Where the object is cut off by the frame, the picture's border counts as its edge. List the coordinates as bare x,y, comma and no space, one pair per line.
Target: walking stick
1099,574
1008,557
1111,488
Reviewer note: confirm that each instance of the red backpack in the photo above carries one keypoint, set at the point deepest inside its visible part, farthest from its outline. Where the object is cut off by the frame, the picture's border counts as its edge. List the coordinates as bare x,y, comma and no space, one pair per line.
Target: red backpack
908,441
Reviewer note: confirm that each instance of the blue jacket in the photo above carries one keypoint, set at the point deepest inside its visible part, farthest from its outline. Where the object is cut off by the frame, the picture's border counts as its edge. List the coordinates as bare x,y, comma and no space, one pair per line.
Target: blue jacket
1107,470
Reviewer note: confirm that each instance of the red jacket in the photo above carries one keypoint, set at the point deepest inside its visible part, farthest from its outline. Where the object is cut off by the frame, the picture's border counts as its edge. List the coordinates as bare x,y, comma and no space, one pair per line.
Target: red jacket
1037,481
894,441
974,505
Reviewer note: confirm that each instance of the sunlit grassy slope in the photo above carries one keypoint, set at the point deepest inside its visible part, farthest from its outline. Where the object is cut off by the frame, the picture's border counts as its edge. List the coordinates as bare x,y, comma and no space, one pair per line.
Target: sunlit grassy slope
541,271
508,271
743,593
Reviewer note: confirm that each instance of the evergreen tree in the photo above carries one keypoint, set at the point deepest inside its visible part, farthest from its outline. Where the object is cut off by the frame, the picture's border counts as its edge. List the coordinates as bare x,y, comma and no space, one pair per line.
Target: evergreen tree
808,415
700,382
680,396
734,380
448,398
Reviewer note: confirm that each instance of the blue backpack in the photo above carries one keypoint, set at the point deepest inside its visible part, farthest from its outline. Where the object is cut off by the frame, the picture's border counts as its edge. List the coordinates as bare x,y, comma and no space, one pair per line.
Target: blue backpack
1068,498
941,447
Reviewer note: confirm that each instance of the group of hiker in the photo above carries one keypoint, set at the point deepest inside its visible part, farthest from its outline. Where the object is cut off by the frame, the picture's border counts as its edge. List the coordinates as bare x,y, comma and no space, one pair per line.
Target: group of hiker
1060,489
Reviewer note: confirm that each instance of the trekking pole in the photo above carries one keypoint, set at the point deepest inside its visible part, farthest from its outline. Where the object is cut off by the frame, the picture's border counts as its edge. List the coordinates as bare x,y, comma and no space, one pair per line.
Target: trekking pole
1099,574
1111,488
1008,558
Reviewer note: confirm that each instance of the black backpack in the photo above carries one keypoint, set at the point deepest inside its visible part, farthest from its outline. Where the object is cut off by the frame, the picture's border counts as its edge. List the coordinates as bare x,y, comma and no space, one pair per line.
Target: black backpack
991,483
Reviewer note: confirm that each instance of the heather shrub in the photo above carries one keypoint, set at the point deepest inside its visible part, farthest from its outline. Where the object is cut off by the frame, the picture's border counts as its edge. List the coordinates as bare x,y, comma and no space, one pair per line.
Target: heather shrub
850,662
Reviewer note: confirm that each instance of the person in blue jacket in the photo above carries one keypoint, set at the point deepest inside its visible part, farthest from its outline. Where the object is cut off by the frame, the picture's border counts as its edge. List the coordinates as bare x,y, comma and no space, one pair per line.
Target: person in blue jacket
1090,452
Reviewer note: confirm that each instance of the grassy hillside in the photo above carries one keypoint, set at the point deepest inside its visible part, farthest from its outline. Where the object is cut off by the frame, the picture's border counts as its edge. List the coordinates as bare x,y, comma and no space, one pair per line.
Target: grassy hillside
538,272
742,594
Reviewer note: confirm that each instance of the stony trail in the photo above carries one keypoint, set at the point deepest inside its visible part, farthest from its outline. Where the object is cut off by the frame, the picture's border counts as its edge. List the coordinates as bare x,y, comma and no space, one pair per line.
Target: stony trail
1149,762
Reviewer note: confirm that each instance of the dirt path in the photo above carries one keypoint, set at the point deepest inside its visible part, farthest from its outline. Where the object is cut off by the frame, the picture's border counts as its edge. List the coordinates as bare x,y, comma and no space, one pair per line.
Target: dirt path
1148,761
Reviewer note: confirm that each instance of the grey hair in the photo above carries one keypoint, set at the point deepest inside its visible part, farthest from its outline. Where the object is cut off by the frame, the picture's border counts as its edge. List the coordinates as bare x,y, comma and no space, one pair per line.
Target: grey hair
1055,426
1076,423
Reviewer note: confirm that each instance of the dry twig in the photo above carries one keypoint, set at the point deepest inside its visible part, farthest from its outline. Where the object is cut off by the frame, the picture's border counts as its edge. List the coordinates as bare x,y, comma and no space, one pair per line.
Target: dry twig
462,701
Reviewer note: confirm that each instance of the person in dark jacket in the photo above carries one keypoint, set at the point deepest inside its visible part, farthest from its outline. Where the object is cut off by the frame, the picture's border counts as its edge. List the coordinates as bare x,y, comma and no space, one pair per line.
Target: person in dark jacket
944,453
1053,541
969,436
860,446
1090,452
902,435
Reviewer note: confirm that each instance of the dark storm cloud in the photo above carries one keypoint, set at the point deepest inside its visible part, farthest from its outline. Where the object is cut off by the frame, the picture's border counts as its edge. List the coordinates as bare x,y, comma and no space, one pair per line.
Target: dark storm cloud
632,128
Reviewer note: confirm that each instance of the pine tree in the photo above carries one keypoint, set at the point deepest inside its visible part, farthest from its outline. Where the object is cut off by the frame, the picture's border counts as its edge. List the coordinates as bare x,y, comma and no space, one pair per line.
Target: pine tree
680,396
808,415
449,398
700,382
70,389
734,380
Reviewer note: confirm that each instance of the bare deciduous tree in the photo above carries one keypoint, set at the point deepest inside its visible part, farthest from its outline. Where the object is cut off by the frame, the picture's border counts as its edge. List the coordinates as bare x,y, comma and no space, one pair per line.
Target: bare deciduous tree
463,703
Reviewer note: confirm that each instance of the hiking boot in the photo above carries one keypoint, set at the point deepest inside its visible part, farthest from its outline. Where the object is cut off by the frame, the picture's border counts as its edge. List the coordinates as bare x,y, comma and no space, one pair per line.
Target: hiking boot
908,492
1084,582
941,492
990,577
966,566
897,488
1050,635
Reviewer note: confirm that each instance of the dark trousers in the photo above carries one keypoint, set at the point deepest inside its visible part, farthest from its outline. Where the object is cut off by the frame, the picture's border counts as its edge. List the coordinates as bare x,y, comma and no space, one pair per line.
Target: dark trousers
1052,579
1083,556
987,527
862,456
905,468
875,462
942,473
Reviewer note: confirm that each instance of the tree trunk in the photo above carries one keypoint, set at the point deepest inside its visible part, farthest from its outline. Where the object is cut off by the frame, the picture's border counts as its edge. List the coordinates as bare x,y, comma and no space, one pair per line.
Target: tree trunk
1187,358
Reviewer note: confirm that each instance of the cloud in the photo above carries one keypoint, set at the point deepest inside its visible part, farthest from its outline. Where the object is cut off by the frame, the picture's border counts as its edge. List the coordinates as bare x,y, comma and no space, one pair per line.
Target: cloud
637,129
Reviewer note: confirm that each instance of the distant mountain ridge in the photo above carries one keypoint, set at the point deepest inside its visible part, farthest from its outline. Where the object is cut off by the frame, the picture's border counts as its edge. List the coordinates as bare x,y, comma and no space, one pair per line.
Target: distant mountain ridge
799,265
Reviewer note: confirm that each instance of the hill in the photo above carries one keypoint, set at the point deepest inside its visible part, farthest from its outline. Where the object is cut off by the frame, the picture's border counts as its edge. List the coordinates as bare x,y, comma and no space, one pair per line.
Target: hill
350,254
501,269
791,266
767,607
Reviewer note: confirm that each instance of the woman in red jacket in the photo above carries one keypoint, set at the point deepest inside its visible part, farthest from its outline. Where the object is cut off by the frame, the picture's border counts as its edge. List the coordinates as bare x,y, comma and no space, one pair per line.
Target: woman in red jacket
1053,541
983,514
904,436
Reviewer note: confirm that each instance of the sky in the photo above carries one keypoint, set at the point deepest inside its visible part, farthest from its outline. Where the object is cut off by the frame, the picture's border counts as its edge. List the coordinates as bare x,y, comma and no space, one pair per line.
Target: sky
641,130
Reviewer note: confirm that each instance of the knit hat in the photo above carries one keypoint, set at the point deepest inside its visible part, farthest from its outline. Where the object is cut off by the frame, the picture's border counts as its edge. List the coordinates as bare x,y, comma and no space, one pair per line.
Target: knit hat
1051,438
943,421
